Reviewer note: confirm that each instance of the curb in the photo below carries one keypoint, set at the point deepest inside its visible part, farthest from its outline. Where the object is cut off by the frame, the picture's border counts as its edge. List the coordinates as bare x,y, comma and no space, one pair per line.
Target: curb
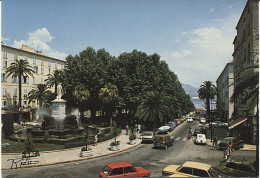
82,159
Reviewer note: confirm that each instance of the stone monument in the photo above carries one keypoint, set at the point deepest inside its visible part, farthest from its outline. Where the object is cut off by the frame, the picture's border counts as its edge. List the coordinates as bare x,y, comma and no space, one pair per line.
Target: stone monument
58,109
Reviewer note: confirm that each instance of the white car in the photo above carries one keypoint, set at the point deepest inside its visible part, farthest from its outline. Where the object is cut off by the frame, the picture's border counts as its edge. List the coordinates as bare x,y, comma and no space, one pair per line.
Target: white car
189,119
147,136
200,139
203,120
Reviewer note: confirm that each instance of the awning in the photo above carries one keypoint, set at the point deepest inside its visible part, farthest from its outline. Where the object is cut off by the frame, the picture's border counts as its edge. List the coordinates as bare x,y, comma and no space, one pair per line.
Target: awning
237,122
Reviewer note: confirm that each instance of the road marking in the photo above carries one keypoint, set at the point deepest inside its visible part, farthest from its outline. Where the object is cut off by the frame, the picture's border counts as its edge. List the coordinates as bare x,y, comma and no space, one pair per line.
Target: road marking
184,139
178,138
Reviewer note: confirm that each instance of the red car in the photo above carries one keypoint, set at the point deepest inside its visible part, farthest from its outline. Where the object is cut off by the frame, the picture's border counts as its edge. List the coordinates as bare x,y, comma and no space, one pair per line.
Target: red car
123,169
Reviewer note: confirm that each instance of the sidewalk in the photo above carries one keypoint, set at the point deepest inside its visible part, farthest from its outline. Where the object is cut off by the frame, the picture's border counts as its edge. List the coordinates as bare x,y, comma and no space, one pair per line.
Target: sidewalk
71,155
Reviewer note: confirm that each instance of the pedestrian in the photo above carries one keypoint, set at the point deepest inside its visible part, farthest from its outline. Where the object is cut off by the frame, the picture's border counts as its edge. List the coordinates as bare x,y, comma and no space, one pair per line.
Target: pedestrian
215,143
127,127
229,150
95,140
138,128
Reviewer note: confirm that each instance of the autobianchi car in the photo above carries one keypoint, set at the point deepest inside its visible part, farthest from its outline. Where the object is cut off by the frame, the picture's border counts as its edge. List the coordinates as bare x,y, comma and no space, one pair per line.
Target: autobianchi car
190,169
200,139
123,169
163,141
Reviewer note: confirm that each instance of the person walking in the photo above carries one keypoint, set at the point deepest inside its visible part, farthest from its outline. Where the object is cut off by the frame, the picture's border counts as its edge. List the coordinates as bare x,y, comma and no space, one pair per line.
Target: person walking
215,143
229,150
127,127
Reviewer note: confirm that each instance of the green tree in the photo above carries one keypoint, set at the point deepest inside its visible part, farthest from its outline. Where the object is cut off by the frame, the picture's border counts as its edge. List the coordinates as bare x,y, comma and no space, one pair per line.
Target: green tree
207,92
29,146
53,80
109,97
153,108
41,94
20,68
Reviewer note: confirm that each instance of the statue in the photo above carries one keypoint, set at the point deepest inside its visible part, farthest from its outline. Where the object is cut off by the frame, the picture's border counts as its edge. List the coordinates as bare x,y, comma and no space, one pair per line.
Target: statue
59,92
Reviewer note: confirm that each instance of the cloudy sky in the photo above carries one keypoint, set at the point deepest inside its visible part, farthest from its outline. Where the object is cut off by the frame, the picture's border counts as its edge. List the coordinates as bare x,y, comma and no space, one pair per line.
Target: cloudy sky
193,36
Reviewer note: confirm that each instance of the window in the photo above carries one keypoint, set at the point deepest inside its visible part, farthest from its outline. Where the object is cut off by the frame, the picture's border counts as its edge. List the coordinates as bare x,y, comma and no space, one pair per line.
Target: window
42,62
42,70
3,77
3,104
117,171
200,173
15,92
186,170
3,91
15,102
25,57
35,69
49,71
49,63
25,79
231,165
130,169
25,92
5,54
106,170
34,60
34,80
33,103
14,79
15,56
4,64
24,103
42,81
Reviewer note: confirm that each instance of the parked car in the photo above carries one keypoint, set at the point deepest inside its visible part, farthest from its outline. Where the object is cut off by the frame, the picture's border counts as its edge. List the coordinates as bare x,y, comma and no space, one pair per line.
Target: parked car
190,169
200,139
147,136
163,141
200,129
236,143
203,120
172,125
177,121
237,169
123,169
216,124
189,119
164,128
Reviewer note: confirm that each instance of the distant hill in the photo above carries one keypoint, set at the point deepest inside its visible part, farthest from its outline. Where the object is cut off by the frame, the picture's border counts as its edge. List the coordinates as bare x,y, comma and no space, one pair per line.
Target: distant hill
192,91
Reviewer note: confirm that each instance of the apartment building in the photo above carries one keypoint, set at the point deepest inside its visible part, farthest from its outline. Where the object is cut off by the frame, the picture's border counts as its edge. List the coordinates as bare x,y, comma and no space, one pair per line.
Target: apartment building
41,64
246,54
225,91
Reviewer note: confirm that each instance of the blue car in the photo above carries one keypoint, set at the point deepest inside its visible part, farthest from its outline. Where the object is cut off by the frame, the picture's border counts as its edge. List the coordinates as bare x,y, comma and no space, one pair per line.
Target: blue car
172,126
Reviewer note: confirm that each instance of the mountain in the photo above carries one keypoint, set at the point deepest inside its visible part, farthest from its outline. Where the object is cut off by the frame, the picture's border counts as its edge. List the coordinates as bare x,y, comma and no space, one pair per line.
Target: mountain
192,91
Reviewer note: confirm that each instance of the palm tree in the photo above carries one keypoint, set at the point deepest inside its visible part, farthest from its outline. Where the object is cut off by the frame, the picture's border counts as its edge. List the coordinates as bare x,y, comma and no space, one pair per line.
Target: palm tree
53,80
109,96
20,68
207,92
40,93
153,108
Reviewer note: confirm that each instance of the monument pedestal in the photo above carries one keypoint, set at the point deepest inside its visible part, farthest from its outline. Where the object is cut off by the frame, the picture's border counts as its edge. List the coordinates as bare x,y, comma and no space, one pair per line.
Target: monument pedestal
58,112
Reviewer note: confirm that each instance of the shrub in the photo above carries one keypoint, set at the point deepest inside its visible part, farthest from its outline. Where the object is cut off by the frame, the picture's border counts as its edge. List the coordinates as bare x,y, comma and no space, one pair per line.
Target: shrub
8,127
70,122
48,122
132,136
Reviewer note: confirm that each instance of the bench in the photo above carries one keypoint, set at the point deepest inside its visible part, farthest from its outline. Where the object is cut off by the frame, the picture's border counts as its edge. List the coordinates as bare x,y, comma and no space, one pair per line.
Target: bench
23,161
86,153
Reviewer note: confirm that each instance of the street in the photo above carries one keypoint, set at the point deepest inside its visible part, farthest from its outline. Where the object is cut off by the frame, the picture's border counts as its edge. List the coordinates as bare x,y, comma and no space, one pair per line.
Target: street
144,155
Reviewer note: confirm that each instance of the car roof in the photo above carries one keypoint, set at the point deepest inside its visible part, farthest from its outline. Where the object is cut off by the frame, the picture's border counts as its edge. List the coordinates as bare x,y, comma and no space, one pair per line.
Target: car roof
197,165
161,135
200,134
119,164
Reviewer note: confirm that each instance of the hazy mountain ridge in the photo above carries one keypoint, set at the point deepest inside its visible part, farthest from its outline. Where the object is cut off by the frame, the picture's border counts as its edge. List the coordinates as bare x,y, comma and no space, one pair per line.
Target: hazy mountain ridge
192,91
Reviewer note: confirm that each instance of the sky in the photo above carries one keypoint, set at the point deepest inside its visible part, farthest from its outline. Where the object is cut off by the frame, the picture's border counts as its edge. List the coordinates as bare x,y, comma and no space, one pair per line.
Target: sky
194,37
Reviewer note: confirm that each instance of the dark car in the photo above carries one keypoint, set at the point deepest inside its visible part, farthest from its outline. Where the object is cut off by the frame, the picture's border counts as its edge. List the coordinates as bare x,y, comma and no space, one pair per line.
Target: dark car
163,141
236,169
200,129
236,143
172,126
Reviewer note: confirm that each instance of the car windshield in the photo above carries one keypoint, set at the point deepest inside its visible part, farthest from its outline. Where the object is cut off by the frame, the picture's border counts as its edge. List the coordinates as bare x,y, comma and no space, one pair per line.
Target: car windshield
224,141
147,134
159,138
213,172
106,170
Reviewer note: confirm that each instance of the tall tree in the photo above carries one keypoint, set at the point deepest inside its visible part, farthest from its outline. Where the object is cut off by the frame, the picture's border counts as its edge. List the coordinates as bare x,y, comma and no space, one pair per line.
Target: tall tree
109,98
53,80
41,94
20,68
207,92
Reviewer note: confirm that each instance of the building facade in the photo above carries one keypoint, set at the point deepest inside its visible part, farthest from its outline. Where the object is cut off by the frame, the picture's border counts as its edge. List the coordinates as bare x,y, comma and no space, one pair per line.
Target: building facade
41,64
225,89
246,55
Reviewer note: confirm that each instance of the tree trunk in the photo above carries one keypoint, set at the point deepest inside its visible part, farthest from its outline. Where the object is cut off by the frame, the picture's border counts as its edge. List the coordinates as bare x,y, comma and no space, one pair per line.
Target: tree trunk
20,97
257,137
55,89
93,113
111,119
